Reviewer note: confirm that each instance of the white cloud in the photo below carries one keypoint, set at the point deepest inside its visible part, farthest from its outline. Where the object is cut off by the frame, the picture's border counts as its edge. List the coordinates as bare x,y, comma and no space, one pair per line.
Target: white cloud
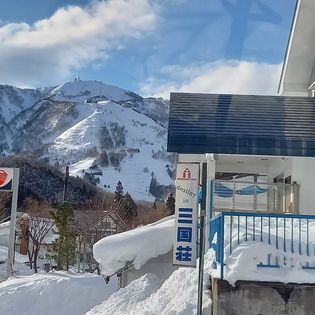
70,38
238,77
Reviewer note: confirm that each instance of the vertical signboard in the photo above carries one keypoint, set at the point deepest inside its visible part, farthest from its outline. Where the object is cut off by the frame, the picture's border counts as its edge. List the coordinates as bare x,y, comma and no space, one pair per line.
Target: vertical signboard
186,215
6,179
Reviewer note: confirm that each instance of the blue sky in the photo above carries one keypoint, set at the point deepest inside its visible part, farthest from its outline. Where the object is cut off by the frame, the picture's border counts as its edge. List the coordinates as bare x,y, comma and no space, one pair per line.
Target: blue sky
148,46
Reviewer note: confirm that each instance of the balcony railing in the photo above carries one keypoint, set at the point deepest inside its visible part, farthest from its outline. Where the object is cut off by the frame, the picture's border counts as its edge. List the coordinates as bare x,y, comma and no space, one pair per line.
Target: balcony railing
254,196
289,233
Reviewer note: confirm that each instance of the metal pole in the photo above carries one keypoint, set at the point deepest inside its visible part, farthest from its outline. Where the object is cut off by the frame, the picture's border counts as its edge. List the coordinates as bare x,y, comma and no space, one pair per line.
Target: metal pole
79,254
84,254
11,248
65,187
255,193
201,242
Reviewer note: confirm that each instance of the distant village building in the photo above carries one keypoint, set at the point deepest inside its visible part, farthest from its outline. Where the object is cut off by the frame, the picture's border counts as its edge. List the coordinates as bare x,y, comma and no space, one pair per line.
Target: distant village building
108,224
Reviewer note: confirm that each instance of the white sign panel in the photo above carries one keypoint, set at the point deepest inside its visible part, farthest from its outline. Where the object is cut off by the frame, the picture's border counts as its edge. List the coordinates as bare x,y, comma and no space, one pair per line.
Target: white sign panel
6,179
186,215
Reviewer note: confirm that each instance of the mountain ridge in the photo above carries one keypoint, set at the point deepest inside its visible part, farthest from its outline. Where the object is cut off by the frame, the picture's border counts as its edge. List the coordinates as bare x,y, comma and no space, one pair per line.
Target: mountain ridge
103,132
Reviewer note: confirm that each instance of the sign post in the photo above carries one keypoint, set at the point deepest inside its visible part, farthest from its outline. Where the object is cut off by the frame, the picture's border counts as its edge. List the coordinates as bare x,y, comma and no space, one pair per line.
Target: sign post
186,215
201,236
9,182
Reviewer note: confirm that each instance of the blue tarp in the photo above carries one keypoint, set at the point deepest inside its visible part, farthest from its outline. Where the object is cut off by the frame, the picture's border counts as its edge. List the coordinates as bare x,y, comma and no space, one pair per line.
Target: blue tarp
251,190
223,191
226,192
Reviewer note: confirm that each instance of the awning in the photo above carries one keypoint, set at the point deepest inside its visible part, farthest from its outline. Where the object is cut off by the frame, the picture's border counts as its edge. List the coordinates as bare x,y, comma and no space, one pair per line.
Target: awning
241,124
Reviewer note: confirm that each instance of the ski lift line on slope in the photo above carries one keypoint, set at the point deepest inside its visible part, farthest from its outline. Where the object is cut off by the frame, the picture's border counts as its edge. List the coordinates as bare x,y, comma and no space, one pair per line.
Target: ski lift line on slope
139,192
126,187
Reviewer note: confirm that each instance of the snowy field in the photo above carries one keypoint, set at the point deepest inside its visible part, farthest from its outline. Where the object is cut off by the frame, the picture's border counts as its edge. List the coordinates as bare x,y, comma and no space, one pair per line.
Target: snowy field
53,293
70,294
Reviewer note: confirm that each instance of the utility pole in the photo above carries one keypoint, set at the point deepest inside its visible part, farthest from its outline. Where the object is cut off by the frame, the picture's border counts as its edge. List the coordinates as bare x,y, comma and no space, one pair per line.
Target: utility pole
11,248
65,185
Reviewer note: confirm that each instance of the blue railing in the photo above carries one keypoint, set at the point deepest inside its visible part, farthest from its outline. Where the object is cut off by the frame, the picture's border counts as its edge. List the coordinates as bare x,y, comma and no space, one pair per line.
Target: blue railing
288,232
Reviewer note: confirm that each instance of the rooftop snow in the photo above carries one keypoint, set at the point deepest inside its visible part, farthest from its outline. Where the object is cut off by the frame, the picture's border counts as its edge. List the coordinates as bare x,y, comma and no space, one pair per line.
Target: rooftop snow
135,246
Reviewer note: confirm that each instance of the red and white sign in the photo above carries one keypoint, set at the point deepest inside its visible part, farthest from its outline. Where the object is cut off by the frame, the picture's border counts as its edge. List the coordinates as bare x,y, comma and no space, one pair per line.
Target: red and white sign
6,179
185,173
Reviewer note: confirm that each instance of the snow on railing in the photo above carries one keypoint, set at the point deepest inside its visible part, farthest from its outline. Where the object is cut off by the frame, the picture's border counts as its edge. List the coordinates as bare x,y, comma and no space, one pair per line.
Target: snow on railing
288,233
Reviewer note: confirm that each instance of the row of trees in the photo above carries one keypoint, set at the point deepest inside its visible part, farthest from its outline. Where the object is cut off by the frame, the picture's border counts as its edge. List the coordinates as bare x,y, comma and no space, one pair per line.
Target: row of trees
40,220
41,223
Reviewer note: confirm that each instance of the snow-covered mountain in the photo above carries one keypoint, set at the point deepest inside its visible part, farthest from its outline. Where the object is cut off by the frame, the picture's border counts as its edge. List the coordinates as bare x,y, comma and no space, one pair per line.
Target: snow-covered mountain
104,133
12,102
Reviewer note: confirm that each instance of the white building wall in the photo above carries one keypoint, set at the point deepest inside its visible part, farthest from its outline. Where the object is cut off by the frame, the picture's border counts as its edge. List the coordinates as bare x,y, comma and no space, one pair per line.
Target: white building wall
161,266
279,166
303,172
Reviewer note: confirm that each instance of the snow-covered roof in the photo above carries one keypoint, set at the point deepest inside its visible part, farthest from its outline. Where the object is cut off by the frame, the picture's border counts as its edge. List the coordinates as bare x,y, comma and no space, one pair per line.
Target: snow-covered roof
135,246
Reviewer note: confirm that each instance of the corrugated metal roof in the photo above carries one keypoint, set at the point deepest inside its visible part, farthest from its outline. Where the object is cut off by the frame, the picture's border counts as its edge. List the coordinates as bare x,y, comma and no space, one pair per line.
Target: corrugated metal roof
241,124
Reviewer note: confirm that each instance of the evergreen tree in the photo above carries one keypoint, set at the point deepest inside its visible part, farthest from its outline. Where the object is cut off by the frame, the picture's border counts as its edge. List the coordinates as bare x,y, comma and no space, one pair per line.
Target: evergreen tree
64,246
124,205
118,198
170,204
130,208
119,192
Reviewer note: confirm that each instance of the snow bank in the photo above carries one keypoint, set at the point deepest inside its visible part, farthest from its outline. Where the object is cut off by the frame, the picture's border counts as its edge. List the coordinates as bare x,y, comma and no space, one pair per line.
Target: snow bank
4,233
136,246
18,268
177,295
126,299
53,293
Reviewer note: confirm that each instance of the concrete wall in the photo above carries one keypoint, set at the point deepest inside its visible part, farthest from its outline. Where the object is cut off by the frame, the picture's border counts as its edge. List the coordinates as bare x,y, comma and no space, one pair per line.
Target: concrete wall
161,266
262,298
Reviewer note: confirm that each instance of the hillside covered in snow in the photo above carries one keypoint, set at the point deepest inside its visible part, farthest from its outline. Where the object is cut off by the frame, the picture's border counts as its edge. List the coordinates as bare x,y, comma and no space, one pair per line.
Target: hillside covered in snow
104,133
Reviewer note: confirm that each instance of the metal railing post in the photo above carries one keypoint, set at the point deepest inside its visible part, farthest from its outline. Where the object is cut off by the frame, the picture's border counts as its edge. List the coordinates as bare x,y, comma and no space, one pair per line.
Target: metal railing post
222,246
233,206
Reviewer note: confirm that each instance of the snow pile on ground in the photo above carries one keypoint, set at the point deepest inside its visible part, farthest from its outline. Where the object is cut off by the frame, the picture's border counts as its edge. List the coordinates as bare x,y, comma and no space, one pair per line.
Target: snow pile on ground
19,267
53,293
19,258
281,249
135,246
177,295
123,301
4,233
